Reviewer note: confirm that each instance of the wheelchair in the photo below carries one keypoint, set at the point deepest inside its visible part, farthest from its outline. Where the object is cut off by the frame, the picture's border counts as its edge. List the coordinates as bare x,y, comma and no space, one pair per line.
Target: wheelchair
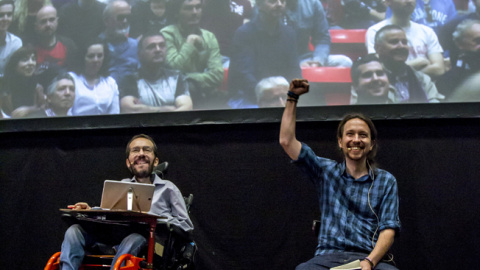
179,249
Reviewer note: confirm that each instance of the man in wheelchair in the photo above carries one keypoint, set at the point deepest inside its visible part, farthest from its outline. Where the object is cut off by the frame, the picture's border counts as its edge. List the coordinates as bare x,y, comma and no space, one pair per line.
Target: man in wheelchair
167,201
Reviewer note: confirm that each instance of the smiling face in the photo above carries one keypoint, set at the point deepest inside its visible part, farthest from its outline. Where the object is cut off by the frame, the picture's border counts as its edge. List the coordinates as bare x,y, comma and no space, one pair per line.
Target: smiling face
26,66
393,46
6,15
356,140
373,80
470,40
141,159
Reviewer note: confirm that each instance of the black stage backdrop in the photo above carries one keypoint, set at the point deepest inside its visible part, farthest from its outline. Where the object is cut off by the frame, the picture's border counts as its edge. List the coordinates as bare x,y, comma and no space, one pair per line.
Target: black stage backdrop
252,208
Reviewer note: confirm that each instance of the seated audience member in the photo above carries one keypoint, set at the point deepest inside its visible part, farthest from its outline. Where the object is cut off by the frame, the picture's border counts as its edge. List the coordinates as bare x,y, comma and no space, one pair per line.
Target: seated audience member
468,91
370,83
148,16
412,86
358,14
223,18
53,50
24,17
467,40
447,30
167,201
155,88
195,52
22,93
81,20
263,47
426,54
432,13
9,43
60,97
272,92
123,50
308,20
96,93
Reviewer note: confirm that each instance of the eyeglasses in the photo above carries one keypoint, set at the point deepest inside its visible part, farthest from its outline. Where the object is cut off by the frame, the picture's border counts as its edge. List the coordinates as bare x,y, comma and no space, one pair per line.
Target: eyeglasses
146,150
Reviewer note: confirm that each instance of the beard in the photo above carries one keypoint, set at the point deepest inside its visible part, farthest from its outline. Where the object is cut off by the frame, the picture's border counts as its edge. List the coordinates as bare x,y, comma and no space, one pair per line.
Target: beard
142,173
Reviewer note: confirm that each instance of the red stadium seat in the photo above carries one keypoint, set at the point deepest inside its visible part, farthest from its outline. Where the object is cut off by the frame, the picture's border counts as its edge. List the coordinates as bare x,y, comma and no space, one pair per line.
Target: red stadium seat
333,84
224,85
349,42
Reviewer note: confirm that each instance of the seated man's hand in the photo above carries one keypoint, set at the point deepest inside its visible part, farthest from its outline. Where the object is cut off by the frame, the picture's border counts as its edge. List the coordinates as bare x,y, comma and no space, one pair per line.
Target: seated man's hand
310,63
196,41
299,86
80,206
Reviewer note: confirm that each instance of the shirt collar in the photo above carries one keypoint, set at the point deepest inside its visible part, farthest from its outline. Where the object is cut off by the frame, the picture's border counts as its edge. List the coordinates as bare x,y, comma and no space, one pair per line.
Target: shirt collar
343,168
156,180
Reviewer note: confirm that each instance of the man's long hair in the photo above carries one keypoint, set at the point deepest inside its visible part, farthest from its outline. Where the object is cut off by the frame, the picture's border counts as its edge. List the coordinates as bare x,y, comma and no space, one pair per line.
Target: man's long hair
373,133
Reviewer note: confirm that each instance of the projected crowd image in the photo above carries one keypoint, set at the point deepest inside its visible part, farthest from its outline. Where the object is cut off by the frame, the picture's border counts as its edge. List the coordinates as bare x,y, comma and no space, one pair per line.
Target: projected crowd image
92,57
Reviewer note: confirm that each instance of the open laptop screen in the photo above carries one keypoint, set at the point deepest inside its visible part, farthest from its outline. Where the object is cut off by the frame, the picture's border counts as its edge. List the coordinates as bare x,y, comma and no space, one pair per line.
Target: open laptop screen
115,195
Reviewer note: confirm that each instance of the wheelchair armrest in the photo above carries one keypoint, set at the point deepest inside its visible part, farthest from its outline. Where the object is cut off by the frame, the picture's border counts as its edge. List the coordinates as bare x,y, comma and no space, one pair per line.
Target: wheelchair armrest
316,227
175,230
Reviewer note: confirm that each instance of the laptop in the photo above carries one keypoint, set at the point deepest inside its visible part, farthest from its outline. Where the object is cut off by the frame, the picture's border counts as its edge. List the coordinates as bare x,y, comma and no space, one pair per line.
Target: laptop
117,194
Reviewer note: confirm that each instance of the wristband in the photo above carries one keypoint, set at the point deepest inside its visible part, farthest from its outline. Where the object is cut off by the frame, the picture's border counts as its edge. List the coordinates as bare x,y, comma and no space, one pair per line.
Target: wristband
292,100
369,261
292,95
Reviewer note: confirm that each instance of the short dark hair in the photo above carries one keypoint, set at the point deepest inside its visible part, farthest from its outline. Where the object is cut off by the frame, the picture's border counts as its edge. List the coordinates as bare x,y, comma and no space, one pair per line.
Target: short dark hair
173,9
381,31
373,133
355,73
145,36
144,136
10,67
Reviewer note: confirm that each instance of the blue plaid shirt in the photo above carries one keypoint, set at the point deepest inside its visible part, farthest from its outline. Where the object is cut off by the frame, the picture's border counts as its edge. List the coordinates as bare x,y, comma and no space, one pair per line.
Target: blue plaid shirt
347,222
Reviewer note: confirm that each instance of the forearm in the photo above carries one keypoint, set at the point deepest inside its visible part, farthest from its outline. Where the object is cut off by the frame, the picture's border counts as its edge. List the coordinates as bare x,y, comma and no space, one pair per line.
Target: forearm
183,103
384,242
288,139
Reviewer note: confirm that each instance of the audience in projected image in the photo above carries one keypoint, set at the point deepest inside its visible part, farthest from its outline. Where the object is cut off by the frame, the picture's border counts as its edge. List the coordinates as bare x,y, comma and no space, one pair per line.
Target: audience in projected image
148,16
53,51
21,92
432,13
308,20
81,20
9,43
251,40
361,14
426,54
195,52
60,95
272,92
155,88
467,41
24,17
370,84
123,49
447,30
263,47
412,86
223,18
96,92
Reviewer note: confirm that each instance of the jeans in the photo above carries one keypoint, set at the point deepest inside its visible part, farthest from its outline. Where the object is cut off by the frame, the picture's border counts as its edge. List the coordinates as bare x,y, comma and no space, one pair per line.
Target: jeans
77,239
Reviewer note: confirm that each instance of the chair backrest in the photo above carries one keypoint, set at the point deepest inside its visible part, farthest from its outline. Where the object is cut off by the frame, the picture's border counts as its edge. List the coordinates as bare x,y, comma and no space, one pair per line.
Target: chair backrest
332,84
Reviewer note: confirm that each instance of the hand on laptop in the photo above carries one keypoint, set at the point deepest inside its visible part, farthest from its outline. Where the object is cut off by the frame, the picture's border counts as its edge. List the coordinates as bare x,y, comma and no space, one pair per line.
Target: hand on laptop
80,206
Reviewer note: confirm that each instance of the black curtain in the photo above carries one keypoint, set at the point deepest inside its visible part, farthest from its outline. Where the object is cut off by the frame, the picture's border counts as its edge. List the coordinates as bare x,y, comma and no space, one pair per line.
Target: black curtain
252,208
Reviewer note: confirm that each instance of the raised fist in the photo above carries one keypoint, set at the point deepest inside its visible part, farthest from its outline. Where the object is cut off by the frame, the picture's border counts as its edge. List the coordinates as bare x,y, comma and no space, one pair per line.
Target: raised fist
299,86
